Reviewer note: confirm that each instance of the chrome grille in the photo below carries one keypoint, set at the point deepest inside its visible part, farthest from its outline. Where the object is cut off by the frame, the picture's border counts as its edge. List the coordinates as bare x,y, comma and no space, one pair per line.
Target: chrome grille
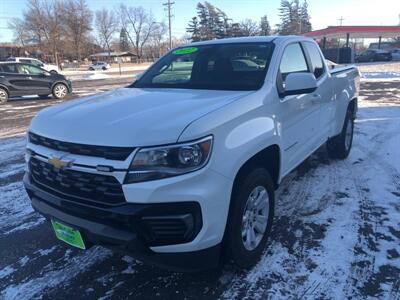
76,185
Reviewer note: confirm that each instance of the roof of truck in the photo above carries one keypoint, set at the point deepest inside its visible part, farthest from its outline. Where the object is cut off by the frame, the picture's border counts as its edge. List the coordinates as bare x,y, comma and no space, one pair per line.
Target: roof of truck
249,39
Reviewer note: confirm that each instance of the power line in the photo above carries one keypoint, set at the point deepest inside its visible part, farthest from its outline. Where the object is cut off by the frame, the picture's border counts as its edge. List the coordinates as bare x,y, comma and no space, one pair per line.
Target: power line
168,5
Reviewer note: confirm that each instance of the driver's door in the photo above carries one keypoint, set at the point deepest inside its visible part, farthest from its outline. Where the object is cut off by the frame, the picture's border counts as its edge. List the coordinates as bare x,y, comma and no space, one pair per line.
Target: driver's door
299,113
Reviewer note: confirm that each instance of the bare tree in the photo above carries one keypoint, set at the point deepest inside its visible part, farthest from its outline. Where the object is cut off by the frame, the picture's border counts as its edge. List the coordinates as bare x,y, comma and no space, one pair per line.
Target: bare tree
41,24
106,25
249,27
53,30
17,26
139,24
77,19
156,40
34,21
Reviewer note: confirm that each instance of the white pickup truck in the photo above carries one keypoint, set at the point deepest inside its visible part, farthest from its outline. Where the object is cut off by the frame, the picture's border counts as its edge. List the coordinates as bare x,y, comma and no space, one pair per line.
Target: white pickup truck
33,61
180,167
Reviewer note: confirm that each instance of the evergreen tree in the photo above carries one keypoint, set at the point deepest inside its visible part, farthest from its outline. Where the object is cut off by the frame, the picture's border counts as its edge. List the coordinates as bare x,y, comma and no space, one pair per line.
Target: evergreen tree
286,15
294,18
194,29
265,28
123,40
212,23
305,18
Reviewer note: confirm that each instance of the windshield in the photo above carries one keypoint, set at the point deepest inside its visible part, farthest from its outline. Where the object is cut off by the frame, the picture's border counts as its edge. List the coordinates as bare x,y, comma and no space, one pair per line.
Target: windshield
239,66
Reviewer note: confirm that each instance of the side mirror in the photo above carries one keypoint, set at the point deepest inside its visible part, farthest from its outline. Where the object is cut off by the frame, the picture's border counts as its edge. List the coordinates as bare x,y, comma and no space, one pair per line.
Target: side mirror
300,83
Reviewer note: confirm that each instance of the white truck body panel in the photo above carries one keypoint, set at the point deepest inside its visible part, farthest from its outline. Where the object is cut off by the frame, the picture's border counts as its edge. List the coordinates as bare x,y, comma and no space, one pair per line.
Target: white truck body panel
242,124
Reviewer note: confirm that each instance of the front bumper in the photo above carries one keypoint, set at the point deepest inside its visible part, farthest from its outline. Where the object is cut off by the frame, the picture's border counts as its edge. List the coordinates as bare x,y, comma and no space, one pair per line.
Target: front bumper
126,226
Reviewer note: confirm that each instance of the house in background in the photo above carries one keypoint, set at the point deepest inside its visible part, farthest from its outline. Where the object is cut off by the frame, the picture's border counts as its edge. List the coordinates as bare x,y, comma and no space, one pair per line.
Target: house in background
114,57
8,49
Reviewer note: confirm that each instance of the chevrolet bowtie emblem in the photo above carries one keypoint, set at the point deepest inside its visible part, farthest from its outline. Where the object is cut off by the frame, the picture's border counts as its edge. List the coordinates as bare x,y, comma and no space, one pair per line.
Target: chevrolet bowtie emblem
58,163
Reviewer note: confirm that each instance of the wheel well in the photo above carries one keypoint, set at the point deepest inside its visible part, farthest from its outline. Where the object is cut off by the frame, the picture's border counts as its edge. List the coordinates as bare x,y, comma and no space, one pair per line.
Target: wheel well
352,107
6,89
58,82
268,158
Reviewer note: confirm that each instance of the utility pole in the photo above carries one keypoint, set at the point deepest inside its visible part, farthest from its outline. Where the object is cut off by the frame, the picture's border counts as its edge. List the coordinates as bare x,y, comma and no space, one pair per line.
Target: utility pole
341,21
168,7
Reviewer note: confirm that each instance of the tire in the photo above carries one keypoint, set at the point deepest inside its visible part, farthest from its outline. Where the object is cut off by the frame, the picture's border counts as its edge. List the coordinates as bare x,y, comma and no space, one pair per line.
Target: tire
3,96
237,246
53,72
59,91
339,146
91,69
104,68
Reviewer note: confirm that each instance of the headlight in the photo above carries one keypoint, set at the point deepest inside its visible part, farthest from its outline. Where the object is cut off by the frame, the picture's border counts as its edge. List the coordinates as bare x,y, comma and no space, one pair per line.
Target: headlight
162,162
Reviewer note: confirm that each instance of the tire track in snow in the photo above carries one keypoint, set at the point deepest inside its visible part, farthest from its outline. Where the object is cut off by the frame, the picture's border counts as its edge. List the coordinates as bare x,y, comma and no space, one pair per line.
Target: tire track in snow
283,262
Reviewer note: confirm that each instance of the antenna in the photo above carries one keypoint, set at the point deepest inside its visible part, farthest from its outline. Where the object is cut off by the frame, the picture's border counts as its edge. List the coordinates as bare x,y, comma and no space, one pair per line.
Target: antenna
341,20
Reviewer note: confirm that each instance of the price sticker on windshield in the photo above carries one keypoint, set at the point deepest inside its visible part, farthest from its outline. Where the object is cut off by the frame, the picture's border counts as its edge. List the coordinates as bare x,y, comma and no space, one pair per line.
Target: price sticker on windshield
186,50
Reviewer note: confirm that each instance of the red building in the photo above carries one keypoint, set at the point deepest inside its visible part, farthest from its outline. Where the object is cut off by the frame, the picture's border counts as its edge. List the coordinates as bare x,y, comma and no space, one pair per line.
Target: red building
348,32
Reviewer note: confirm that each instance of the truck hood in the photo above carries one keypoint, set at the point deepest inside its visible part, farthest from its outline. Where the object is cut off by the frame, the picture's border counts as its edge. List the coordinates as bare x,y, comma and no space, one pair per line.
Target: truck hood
129,116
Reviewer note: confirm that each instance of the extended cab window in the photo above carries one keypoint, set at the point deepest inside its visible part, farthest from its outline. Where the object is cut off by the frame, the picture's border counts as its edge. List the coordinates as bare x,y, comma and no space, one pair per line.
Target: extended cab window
27,61
239,66
37,63
317,65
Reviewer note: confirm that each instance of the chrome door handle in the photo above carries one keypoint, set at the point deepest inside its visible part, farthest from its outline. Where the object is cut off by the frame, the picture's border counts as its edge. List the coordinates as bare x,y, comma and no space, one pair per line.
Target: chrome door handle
29,77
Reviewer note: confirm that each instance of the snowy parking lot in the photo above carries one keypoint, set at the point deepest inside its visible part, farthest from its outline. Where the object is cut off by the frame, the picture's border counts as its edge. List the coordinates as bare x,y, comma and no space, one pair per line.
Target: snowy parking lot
336,234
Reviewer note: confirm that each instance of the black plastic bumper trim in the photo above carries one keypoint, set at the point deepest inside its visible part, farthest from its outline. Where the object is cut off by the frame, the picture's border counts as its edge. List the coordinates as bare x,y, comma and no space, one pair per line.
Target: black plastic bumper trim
114,236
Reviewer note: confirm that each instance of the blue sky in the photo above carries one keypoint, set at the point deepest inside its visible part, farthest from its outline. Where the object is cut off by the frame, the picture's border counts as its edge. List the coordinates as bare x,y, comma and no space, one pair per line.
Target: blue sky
323,12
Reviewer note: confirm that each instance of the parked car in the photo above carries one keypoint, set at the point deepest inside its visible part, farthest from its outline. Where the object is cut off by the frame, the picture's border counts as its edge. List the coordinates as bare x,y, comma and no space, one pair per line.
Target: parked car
396,54
371,55
20,79
33,61
181,167
100,65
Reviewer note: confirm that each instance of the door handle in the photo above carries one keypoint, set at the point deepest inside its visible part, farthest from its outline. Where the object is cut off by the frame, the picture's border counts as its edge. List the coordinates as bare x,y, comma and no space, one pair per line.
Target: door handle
29,77
315,98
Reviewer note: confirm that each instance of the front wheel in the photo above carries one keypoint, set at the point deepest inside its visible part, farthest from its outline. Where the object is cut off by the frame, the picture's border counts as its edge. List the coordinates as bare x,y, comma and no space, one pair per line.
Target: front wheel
60,90
53,72
250,218
339,146
3,96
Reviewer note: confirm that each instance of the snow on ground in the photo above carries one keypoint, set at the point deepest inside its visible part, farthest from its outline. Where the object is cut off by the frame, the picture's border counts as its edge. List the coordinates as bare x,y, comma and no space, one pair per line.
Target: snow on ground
345,219
96,76
379,71
383,76
335,236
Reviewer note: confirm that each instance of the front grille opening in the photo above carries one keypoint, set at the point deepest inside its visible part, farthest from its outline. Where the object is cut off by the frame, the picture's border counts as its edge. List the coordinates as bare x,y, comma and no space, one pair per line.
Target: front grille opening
172,229
78,186
108,152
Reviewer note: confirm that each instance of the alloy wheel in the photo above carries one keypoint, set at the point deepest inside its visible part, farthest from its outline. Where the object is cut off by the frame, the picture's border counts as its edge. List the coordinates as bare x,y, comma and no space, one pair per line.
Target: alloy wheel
255,218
